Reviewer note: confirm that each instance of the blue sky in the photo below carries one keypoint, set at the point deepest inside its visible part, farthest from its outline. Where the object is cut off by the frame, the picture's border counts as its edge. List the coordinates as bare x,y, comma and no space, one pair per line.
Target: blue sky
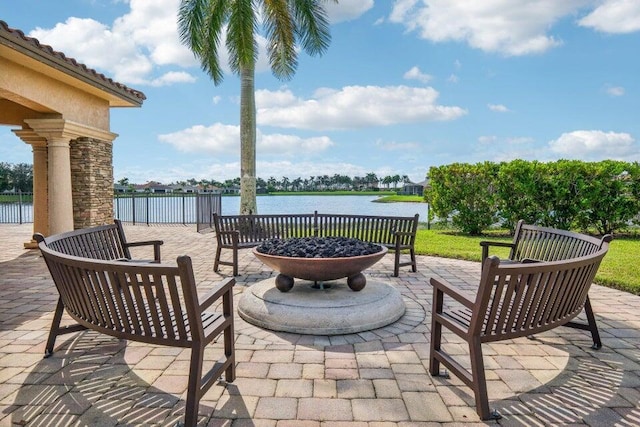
404,85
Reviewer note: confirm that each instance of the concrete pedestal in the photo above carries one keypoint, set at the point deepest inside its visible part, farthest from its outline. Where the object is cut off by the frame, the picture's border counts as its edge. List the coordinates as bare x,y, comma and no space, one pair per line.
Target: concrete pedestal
334,310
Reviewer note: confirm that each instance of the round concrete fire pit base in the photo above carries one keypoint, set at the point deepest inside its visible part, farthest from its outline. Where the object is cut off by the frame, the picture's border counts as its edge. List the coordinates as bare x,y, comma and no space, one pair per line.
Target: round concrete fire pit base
332,310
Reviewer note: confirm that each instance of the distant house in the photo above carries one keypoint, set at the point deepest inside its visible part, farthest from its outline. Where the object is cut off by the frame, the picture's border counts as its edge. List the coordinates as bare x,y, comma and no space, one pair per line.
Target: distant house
414,189
119,188
153,187
235,189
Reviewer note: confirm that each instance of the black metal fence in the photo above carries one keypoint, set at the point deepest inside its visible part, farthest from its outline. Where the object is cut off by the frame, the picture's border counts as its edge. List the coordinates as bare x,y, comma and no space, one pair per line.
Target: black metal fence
152,208
136,208
16,208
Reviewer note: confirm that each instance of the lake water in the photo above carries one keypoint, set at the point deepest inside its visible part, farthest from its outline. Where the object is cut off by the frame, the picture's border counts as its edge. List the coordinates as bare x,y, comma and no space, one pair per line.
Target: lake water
349,205
179,210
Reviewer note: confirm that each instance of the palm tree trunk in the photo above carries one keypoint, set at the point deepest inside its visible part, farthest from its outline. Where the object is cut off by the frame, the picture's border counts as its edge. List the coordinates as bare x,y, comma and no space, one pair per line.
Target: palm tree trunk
248,204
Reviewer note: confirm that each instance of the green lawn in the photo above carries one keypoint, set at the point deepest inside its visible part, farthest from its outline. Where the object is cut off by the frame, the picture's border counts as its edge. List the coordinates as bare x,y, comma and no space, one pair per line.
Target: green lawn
620,268
400,198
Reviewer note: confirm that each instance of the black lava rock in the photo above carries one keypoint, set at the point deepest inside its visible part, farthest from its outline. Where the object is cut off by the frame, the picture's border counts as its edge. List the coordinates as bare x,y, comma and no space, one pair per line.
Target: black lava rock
318,247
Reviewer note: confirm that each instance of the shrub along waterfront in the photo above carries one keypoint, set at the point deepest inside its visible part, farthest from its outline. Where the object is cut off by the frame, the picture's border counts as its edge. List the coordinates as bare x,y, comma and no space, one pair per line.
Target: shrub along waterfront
601,197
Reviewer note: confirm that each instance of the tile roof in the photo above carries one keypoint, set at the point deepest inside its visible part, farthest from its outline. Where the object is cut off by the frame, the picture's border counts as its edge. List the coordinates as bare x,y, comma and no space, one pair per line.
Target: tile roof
31,46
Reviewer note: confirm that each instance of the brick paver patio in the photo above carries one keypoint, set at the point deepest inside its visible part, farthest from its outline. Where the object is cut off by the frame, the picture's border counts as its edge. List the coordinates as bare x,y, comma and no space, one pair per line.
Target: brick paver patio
375,379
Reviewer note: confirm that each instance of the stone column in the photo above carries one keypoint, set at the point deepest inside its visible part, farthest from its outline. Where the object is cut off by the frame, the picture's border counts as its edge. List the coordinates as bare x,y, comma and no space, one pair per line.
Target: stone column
40,183
60,190
61,186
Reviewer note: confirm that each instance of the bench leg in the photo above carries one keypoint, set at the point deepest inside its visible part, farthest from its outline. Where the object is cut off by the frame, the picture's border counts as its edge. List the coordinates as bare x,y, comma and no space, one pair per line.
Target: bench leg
414,264
57,330
590,326
55,327
229,338
396,266
593,326
216,261
479,381
194,387
436,333
235,261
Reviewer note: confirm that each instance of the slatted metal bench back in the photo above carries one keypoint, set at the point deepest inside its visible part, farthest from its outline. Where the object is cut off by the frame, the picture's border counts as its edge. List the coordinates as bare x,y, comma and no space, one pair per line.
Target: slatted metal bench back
515,300
244,231
548,244
102,242
145,302
385,231
252,229
153,303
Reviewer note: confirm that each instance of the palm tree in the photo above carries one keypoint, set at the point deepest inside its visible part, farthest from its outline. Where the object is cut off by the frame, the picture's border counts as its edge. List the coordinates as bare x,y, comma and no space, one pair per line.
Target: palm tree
287,24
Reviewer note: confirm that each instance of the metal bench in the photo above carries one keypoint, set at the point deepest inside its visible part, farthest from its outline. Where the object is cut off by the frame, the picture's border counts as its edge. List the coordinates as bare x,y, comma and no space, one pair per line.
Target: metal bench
105,242
515,299
236,232
532,243
139,301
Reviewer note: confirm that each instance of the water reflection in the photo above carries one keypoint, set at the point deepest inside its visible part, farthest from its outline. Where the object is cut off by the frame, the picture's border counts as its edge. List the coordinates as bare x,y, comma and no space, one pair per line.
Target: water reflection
349,205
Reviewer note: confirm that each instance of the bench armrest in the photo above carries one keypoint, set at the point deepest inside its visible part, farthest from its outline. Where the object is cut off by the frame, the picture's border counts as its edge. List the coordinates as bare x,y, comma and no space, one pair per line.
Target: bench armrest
486,244
448,289
218,290
156,247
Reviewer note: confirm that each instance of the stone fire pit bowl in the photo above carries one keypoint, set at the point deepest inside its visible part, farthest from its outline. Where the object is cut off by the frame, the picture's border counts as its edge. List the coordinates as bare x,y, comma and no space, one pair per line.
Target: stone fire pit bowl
320,269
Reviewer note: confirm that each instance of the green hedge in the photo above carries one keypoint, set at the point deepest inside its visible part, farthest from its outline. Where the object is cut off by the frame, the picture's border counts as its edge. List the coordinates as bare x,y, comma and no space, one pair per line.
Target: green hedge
592,196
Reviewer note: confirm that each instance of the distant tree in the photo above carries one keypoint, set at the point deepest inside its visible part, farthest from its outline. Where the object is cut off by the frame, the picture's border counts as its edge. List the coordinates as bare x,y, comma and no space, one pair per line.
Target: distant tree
22,177
288,25
285,183
296,184
5,176
371,180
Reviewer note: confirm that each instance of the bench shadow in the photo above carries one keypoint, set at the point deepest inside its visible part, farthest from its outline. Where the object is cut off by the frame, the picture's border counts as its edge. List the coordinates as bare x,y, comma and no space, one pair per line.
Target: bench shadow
588,389
27,292
88,377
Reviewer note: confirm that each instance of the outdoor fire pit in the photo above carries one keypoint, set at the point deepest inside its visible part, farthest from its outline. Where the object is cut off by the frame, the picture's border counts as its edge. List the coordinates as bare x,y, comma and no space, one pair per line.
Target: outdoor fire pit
319,259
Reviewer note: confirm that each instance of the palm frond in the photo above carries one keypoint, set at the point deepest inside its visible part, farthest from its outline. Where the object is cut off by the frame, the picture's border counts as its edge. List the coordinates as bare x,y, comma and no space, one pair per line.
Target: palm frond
280,32
200,23
241,31
312,25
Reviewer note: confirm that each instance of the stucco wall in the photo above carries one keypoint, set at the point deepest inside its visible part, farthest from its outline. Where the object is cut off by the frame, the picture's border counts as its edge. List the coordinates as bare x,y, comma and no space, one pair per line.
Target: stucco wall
92,182
45,95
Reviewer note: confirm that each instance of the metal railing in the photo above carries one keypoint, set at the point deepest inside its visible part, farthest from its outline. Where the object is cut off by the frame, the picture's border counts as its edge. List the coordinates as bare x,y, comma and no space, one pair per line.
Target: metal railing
136,208
171,208
16,208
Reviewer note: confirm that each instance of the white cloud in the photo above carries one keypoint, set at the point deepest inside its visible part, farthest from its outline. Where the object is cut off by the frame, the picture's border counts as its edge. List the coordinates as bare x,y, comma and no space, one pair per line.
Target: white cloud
615,90
498,108
415,74
352,107
291,145
346,10
217,138
614,16
595,145
510,27
130,51
225,139
173,77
